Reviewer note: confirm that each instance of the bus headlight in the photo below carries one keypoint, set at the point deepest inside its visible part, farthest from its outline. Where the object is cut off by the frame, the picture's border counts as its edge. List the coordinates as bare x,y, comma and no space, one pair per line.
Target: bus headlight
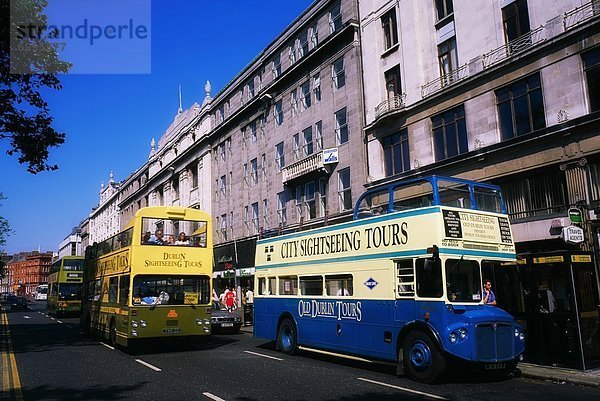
134,333
206,330
199,321
453,338
143,323
134,324
207,322
462,333
520,334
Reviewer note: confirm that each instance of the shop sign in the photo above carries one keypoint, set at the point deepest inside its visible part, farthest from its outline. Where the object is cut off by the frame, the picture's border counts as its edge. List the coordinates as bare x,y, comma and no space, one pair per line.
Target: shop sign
572,235
330,156
581,258
548,259
575,215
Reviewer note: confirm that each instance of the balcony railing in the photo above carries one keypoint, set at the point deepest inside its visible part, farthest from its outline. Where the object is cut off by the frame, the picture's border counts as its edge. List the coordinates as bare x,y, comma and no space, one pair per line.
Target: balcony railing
390,104
307,165
518,45
444,81
581,14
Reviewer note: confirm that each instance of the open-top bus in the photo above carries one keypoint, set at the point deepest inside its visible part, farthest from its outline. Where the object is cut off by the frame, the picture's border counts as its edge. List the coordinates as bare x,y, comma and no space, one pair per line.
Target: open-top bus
401,282
65,286
139,284
41,292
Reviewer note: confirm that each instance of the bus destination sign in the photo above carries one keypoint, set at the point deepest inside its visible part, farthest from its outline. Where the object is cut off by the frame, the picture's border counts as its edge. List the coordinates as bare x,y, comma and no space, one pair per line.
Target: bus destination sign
476,227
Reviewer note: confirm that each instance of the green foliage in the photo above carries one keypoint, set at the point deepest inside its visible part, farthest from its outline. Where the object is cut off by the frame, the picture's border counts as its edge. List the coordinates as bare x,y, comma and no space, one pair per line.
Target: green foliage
25,120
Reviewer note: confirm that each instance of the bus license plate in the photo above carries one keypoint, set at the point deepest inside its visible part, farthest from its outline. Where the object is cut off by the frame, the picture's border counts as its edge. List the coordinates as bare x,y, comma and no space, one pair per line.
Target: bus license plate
226,324
495,366
171,330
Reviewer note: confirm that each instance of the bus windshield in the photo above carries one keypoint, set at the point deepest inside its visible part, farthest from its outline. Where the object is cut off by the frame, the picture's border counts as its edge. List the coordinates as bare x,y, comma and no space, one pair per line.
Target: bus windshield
171,290
73,265
463,280
69,291
173,232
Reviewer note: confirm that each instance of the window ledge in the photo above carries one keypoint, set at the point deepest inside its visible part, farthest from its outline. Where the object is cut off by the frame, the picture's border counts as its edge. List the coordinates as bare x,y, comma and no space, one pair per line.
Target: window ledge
444,21
391,50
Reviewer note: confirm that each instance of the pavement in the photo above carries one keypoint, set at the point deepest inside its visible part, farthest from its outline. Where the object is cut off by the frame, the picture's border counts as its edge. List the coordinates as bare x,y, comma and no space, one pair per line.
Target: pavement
553,374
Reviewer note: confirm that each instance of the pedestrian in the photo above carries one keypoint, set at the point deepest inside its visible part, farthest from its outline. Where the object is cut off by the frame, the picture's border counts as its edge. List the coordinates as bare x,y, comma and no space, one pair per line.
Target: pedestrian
230,300
488,295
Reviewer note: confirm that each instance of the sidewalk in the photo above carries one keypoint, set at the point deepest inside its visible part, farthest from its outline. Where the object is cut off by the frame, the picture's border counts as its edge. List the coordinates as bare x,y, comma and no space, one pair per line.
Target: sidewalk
589,378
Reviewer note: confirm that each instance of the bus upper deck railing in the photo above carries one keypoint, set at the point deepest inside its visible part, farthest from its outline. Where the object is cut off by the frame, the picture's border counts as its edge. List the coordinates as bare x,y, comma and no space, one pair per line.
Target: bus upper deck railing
429,191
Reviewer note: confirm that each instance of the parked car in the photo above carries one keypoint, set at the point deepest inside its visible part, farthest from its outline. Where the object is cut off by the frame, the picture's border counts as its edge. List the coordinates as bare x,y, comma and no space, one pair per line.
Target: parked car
223,320
18,303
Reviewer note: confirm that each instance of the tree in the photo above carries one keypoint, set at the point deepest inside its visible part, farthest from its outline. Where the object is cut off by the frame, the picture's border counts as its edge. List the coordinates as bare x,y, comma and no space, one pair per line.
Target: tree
28,63
4,234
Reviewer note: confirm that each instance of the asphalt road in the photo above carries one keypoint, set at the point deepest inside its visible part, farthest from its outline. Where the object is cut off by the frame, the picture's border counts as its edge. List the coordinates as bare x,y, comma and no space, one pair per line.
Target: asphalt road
57,361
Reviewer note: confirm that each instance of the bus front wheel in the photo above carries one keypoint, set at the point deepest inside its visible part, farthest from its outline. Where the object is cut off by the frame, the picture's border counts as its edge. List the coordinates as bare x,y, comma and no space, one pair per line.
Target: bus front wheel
287,338
422,360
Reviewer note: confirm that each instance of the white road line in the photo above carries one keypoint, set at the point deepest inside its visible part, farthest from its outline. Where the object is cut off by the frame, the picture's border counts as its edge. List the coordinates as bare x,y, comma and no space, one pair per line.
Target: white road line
108,346
212,397
146,364
437,397
59,321
68,326
263,355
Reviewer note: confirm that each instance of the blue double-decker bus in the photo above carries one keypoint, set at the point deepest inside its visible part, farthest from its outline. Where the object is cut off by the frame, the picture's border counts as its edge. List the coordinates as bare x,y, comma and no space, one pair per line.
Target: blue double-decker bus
400,282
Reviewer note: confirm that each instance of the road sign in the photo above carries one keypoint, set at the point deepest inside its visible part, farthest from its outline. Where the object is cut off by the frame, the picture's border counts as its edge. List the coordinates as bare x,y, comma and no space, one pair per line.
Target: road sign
572,235
575,215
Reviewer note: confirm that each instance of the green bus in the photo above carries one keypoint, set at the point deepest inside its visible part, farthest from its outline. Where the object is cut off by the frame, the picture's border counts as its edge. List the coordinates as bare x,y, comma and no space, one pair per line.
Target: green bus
65,284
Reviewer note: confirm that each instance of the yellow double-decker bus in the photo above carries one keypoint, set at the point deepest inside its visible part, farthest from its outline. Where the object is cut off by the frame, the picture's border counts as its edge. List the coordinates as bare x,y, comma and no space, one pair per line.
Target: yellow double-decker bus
65,286
151,280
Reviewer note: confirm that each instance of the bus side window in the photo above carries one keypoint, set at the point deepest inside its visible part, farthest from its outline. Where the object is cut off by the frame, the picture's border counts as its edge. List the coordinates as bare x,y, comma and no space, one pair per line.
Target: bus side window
311,285
262,286
272,289
288,285
113,285
124,290
339,285
429,278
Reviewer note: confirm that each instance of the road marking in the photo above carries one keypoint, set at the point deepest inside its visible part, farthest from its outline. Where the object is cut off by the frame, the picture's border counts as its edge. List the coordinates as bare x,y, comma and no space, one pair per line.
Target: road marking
68,326
146,364
59,321
9,356
437,397
263,355
212,397
26,317
108,346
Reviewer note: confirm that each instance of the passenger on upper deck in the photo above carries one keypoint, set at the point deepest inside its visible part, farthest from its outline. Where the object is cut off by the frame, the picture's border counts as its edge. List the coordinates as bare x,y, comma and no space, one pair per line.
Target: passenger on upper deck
157,238
182,239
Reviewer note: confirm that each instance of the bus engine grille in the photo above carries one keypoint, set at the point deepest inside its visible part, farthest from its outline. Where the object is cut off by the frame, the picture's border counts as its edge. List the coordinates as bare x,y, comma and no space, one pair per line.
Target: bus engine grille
494,341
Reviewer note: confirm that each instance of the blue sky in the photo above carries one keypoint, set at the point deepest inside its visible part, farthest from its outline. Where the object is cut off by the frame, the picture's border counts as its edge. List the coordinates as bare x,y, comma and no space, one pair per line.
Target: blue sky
109,120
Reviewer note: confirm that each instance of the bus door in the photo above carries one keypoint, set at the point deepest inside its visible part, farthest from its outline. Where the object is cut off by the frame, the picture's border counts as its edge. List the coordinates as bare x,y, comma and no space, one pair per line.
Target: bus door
404,306
339,319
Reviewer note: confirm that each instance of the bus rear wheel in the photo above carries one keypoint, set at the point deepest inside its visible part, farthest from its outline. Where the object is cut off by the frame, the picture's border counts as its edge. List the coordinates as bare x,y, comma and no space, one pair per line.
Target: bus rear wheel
287,338
422,360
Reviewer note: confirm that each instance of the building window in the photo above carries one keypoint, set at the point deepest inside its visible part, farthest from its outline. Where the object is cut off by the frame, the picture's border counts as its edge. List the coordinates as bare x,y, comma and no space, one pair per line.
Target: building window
319,135
338,74
255,222
390,29
193,172
276,66
335,18
222,151
265,213
294,102
253,134
317,87
251,89
322,196
448,60
341,127
224,227
254,171
308,141
247,220
306,98
303,45
449,133
292,54
175,186
221,113
521,107
516,20
310,200
296,146
223,187
278,110
396,153
444,8
263,166
245,183
314,36
344,191
392,82
279,156
591,68
299,199
244,137
281,211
